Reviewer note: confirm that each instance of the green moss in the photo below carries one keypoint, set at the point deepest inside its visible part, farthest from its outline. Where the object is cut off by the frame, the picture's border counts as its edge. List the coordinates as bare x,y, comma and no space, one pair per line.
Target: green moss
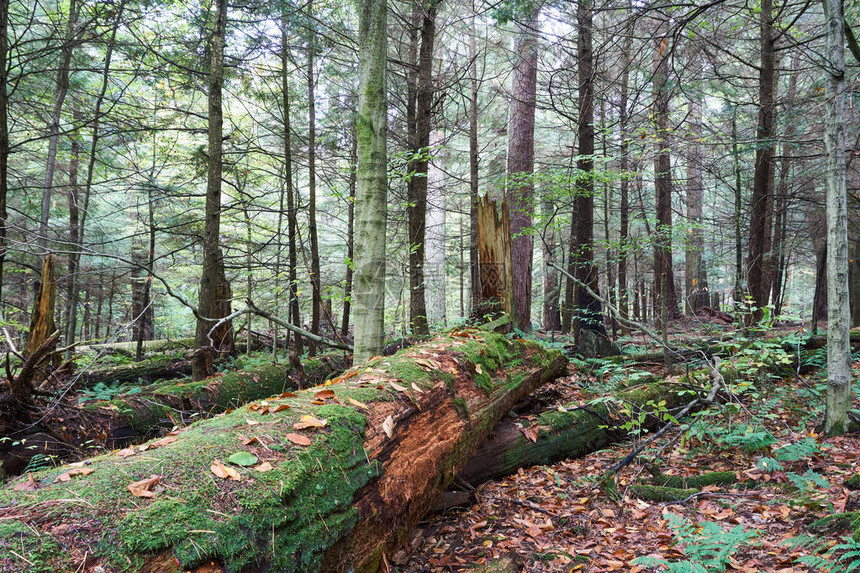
40,552
660,494
697,482
853,482
462,407
162,523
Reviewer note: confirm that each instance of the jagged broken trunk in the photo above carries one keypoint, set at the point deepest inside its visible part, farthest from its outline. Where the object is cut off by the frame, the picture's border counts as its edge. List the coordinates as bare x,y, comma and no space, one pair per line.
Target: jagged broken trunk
327,479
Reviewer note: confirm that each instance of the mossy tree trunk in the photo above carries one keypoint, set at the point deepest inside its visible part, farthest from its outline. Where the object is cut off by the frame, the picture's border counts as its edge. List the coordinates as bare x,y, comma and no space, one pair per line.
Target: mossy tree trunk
349,470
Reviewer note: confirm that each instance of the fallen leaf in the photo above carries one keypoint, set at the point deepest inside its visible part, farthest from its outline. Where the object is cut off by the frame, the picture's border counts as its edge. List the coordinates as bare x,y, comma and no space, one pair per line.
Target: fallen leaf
416,388
279,407
223,471
530,433
143,488
251,422
358,404
67,476
243,459
28,485
388,426
478,369
308,421
299,439
398,387
324,394
264,467
249,441
287,395
163,442
126,452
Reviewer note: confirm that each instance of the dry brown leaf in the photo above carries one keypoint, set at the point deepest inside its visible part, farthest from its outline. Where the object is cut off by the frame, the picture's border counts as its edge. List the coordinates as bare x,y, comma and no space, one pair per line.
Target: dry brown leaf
143,488
530,433
416,388
478,369
163,442
280,407
126,452
28,485
398,387
287,395
388,426
308,421
299,439
324,394
358,404
251,422
223,471
264,467
67,476
249,441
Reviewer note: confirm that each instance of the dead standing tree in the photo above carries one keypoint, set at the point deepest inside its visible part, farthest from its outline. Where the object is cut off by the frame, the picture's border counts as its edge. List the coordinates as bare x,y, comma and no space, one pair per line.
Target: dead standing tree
495,270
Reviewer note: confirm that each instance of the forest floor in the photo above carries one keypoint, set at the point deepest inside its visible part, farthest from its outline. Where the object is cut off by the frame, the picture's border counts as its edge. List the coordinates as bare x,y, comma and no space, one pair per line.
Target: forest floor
564,517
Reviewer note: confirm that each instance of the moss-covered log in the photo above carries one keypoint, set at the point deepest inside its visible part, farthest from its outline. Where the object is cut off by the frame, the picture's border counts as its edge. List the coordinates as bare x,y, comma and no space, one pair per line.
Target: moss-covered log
335,477
163,367
557,435
133,416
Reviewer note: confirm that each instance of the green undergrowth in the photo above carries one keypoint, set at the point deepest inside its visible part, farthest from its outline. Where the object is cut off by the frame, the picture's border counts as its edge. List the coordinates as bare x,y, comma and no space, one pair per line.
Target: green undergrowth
283,519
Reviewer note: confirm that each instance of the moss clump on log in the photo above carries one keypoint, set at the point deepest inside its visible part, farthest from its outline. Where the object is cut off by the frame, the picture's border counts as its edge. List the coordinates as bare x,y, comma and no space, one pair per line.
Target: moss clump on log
847,520
388,446
853,482
658,493
696,482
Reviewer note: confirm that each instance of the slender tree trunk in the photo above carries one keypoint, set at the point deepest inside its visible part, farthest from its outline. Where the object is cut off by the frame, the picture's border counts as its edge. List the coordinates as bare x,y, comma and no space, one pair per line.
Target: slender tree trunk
781,198
292,224
474,276
212,291
738,294
350,234
551,315
61,88
417,211
316,287
695,278
74,236
664,277
624,206
521,158
4,134
836,420
758,267
436,275
371,192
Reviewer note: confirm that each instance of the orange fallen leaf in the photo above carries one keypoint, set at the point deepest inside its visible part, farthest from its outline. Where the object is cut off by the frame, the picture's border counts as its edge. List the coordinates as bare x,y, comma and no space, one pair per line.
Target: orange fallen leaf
358,404
163,442
308,421
67,476
223,471
143,488
28,485
264,467
287,395
324,394
530,433
126,452
249,441
299,439
279,408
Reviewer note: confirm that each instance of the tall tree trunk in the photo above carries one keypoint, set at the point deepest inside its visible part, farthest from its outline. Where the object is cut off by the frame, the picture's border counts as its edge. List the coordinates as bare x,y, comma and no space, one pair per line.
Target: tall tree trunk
664,277
738,294
474,276
84,200
551,314
350,234
761,208
436,274
61,88
838,400
74,230
213,286
417,192
588,312
292,223
624,206
316,287
695,278
781,197
371,192
521,159
4,133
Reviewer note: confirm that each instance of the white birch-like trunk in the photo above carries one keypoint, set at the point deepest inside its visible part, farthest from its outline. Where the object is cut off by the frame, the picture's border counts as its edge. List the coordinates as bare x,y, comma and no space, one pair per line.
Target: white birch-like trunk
372,186
434,267
836,419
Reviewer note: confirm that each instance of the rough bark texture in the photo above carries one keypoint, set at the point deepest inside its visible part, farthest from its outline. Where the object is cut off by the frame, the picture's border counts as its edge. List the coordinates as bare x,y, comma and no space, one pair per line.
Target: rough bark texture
372,190
494,260
695,278
395,435
836,420
521,160
214,290
4,134
664,276
624,199
551,285
761,207
475,281
436,275
316,288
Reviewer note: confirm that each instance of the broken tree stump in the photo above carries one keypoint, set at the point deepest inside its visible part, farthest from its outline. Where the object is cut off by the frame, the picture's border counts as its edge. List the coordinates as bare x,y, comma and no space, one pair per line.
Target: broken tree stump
495,269
328,479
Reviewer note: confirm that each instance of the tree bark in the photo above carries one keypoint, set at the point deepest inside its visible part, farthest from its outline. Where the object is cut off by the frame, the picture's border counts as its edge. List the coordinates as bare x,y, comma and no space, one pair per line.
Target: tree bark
371,192
521,158
624,200
838,399
4,133
761,208
214,298
350,235
664,276
696,277
494,260
368,473
474,176
316,287
436,275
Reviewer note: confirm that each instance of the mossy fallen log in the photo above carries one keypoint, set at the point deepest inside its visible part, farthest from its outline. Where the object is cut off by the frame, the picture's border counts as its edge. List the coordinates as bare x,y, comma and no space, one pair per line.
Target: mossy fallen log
134,416
164,367
324,480
659,493
573,433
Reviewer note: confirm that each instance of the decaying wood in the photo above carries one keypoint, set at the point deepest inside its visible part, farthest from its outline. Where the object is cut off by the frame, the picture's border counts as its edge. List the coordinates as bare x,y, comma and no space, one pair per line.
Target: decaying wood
495,269
39,358
353,469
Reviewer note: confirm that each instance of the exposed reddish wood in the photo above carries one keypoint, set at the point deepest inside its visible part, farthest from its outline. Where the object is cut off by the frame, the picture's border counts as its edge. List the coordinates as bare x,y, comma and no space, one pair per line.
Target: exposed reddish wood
495,269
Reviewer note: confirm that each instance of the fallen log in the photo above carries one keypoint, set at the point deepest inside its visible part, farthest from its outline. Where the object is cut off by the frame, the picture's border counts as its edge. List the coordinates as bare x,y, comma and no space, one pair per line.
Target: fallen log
323,480
572,433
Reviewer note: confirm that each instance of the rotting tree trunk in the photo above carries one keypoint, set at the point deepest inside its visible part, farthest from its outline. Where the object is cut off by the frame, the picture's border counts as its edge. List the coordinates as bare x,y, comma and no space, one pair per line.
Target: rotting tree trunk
344,485
494,260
